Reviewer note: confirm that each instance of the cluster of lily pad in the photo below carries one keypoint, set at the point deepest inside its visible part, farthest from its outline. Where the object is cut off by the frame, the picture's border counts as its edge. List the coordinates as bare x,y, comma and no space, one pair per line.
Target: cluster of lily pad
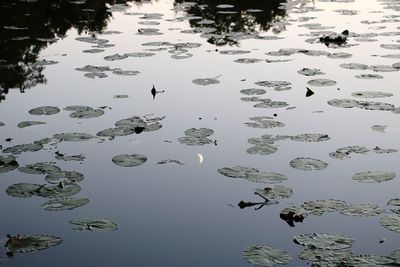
346,152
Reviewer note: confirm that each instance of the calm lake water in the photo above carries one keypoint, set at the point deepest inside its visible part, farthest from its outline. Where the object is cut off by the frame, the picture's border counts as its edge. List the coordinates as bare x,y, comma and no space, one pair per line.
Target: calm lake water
326,102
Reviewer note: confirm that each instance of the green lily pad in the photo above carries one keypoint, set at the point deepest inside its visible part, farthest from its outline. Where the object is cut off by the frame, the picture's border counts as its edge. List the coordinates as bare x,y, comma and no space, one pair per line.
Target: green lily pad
87,113
311,137
325,257
266,256
58,176
96,225
253,91
39,168
394,202
345,152
26,190
45,110
391,222
374,176
264,123
324,241
276,192
368,261
371,94
73,137
252,174
63,157
24,124
197,137
18,149
361,210
8,163
319,207
310,72
308,164
322,82
126,160
64,204
30,243
205,81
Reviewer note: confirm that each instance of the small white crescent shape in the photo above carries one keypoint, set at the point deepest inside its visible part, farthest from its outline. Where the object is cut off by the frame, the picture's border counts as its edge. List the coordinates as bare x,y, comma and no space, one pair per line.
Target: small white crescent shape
201,158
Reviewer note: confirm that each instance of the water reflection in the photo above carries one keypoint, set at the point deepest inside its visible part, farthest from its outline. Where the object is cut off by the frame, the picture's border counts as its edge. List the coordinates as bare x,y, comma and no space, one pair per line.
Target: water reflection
30,26
242,17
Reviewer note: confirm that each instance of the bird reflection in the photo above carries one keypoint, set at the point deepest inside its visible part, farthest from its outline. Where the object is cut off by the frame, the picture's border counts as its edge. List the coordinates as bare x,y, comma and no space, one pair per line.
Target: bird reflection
154,92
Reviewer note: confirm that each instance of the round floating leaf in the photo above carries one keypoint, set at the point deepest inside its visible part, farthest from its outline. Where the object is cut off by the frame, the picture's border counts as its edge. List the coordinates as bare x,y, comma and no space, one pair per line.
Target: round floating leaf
308,164
322,82
29,243
73,137
65,204
24,124
264,123
115,57
234,52
87,113
345,152
310,72
374,176
368,260
343,103
237,171
96,225
266,256
362,210
391,222
39,168
247,60
205,81
324,241
371,94
354,66
319,207
8,163
126,160
201,132
394,202
276,192
45,110
369,76
18,149
24,190
58,176
252,174
339,55
325,257
311,137
76,108
253,91
382,68
264,149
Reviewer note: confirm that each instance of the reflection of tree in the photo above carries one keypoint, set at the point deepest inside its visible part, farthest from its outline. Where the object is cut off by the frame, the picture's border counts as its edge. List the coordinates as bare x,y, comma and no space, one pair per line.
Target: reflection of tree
248,16
29,26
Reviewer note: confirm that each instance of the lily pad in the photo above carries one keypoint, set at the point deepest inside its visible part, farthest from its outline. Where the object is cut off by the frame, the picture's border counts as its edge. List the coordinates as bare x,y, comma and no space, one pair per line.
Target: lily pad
205,81
39,168
324,241
361,210
73,137
374,176
276,192
310,137
371,94
87,113
345,152
369,76
132,160
18,149
26,190
8,163
266,256
65,204
325,257
252,174
343,103
394,202
253,91
96,225
24,124
196,137
391,222
264,123
368,260
322,82
310,72
58,176
248,60
45,110
319,207
30,243
308,164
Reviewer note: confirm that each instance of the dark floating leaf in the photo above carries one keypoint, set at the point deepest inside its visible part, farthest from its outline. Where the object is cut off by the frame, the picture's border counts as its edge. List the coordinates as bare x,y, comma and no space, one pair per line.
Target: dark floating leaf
373,176
345,152
371,94
95,225
45,110
40,168
8,163
325,257
30,243
324,241
26,190
73,137
310,72
308,164
197,137
293,215
24,124
252,174
65,204
56,177
321,82
266,256
168,161
18,149
205,81
253,91
126,160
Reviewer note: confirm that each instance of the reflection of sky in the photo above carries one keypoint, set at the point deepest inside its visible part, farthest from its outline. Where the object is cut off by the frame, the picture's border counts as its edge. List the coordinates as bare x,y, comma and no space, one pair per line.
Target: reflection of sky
179,216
